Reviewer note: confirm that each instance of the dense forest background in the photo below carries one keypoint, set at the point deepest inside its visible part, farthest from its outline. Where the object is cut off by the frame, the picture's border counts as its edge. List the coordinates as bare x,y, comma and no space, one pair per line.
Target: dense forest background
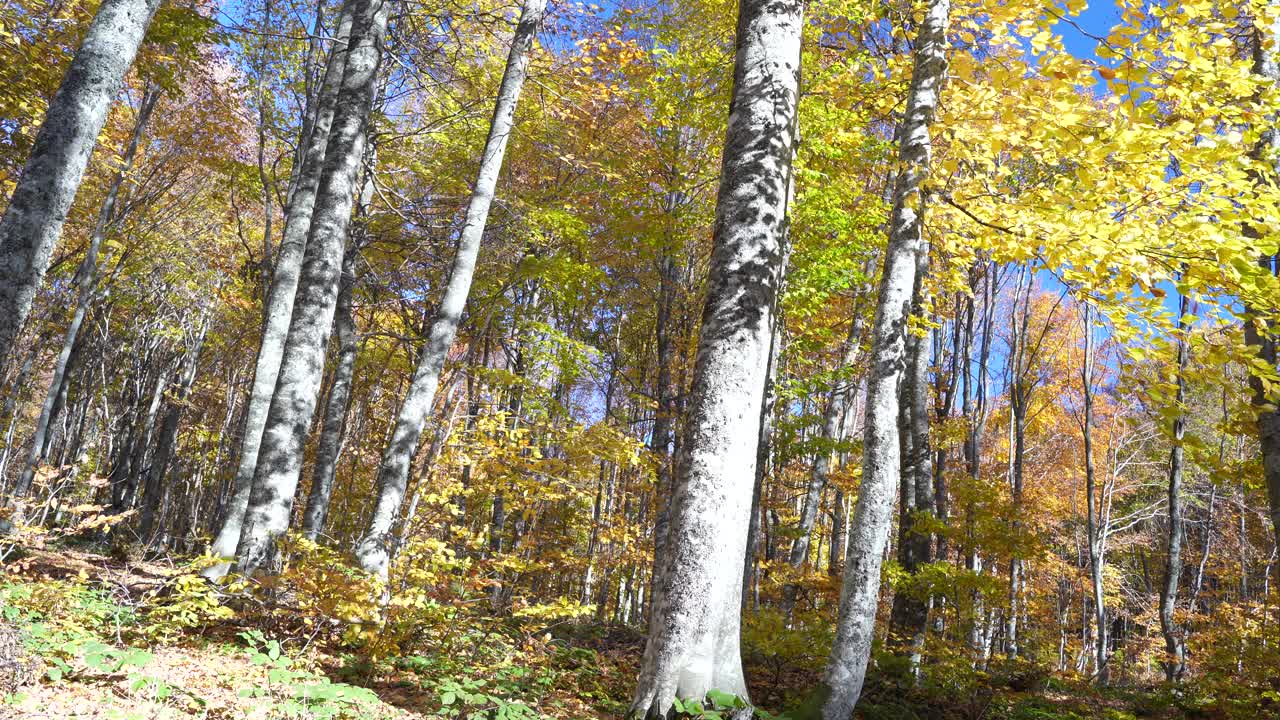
516,360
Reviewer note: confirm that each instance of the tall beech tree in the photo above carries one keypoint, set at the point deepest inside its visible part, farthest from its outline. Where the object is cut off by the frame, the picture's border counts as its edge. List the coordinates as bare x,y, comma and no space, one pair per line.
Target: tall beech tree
374,550
275,479
325,243
38,206
872,515
693,644
278,312
1175,663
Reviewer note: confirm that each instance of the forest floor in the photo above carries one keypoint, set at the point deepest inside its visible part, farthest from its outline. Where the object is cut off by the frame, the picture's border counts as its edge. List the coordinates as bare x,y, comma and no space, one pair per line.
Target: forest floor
104,644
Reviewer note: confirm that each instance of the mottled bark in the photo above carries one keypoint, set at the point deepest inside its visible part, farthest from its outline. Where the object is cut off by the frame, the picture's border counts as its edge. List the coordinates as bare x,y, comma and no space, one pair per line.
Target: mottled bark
1094,523
297,387
693,645
278,311
763,461
336,407
873,514
910,612
374,550
38,208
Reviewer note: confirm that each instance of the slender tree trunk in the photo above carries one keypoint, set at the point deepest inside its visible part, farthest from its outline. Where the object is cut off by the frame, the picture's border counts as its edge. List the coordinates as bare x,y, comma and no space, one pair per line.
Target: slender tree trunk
822,460
166,447
910,613
1019,399
141,443
38,208
1174,643
873,514
975,409
86,281
660,442
278,312
374,550
1094,514
693,644
293,404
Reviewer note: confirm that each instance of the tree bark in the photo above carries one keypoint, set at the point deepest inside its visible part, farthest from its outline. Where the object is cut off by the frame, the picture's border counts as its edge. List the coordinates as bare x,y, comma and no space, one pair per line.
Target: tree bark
1094,513
1259,333
38,208
693,644
337,406
293,404
910,612
374,550
278,311
664,421
873,514
1020,388
1175,645
763,461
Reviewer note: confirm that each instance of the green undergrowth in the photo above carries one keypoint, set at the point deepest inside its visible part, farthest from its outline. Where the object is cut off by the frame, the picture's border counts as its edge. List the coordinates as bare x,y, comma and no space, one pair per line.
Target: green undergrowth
180,648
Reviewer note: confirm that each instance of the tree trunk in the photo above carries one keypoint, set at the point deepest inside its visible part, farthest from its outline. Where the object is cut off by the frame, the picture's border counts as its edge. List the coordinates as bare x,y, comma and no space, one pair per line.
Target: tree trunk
910,612
141,443
38,208
337,406
763,458
1175,646
280,457
873,514
374,550
1094,513
166,446
821,468
1019,399
693,643
278,311
86,281
664,421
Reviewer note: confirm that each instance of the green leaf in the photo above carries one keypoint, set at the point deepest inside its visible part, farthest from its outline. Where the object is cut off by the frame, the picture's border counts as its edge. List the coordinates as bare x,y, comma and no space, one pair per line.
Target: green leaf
724,699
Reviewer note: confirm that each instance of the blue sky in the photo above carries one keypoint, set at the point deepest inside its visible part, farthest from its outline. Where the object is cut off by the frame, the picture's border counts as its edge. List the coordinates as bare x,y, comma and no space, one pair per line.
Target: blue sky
1097,19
